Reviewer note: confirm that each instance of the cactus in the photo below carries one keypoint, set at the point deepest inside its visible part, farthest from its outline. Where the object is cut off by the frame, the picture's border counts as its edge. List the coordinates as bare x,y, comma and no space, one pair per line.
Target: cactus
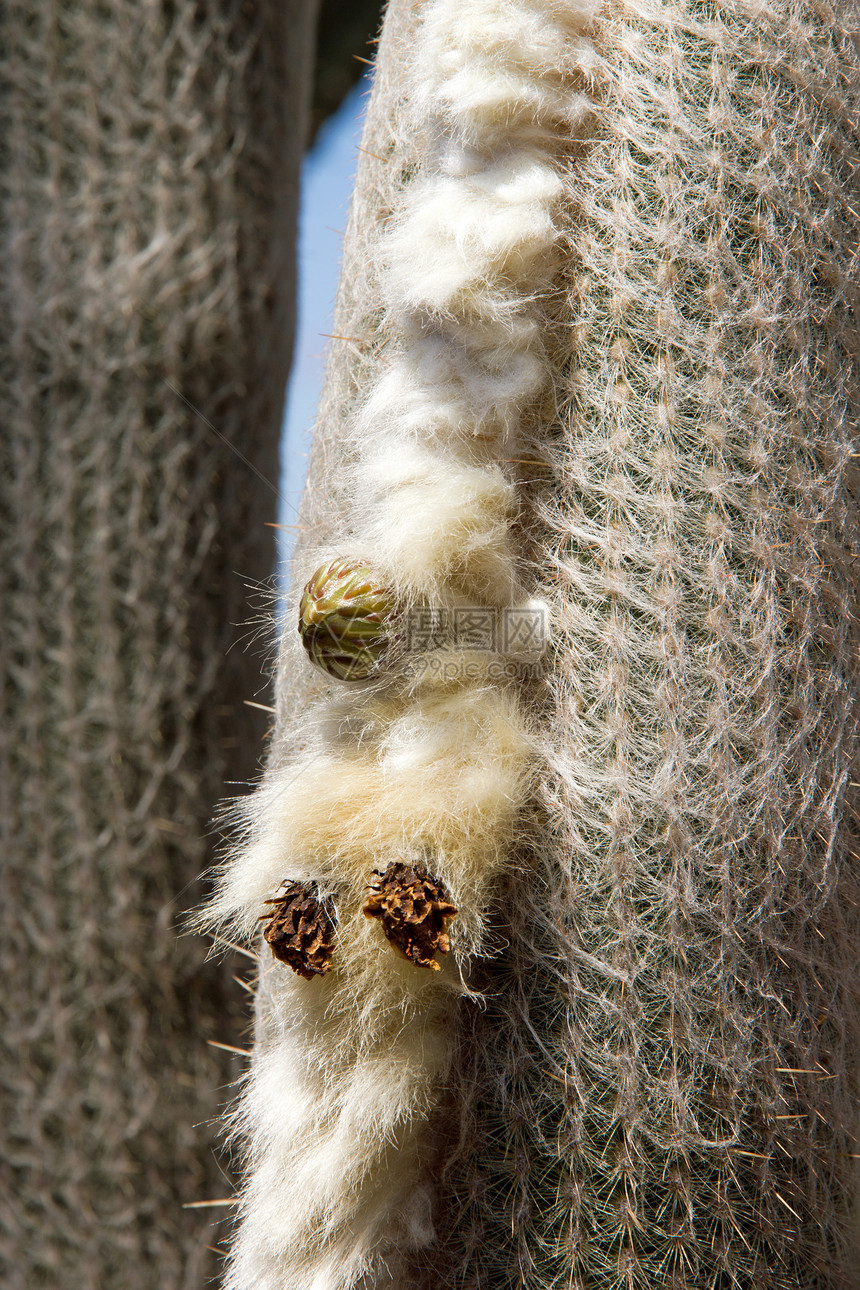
147,215
661,1088
663,1092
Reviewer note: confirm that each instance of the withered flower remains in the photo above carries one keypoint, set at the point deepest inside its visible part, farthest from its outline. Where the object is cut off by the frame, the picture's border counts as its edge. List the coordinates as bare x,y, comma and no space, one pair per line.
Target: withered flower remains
301,929
414,909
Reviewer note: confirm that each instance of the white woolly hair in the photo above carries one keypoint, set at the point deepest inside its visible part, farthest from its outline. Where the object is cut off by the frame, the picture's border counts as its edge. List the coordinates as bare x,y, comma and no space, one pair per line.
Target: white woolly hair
333,1113
442,774
440,526
501,70
347,1068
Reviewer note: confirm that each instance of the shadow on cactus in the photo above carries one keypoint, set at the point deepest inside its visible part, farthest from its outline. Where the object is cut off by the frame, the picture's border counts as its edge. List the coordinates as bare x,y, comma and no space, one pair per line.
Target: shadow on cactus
346,617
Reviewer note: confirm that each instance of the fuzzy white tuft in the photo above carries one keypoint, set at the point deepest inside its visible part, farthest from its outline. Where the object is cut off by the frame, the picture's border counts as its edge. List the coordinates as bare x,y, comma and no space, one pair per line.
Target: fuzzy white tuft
495,70
491,233
438,524
333,1111
441,775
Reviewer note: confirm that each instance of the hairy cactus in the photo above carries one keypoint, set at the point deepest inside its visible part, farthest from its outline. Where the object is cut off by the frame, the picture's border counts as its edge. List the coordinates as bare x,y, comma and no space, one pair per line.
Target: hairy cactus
663,1092
600,283
148,200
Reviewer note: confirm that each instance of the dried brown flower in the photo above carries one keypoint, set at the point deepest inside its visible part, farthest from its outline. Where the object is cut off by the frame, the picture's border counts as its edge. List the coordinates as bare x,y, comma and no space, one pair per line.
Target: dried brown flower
414,909
301,929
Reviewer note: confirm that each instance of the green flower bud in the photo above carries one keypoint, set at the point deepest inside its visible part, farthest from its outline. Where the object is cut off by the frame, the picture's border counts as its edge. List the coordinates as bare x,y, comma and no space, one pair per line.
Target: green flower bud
344,619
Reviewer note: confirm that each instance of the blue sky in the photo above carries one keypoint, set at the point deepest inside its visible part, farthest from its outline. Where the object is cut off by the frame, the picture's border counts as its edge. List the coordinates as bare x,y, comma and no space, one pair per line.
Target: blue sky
327,179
